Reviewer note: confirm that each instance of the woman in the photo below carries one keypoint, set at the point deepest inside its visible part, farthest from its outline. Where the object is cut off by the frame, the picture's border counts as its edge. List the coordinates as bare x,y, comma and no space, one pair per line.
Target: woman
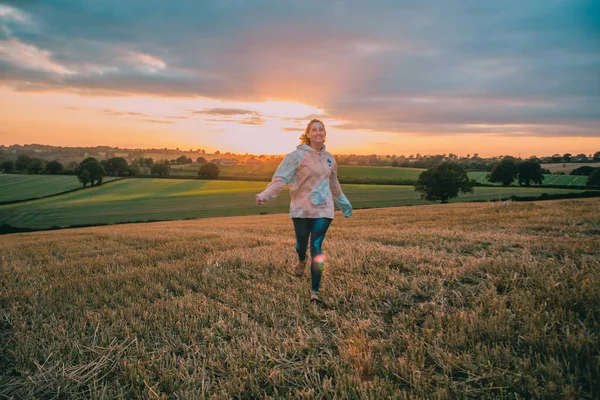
312,173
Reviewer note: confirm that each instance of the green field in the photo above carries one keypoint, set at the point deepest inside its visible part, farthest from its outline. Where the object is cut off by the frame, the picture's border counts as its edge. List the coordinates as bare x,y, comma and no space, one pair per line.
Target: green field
19,187
563,180
359,174
346,173
134,200
229,171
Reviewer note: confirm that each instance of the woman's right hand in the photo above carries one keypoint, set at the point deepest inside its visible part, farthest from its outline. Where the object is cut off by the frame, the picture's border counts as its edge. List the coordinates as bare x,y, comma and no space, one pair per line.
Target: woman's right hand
259,201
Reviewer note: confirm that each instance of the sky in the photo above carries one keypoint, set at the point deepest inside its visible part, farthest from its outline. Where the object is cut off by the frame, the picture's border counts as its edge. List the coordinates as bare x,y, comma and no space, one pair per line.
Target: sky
385,76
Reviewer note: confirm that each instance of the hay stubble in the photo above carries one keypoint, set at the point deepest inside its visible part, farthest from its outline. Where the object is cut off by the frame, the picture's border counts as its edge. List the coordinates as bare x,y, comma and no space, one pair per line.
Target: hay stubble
453,301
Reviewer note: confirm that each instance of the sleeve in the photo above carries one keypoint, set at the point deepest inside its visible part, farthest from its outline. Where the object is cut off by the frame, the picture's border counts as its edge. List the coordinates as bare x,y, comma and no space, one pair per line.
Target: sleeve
338,196
282,177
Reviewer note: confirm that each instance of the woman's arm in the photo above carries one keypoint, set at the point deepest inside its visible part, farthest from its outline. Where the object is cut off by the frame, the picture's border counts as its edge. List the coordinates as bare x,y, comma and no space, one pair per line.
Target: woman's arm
336,192
283,175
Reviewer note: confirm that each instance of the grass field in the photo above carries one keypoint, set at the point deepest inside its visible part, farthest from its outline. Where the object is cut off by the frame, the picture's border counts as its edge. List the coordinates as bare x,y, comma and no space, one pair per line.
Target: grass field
228,171
459,301
136,200
351,172
18,187
362,174
345,172
563,180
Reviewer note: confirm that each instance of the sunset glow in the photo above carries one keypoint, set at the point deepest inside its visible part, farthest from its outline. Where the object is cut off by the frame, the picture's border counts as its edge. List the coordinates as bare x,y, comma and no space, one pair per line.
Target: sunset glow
429,87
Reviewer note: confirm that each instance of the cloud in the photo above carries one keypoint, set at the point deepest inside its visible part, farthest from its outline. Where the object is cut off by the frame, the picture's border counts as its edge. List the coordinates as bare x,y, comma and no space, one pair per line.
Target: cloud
12,19
146,62
112,112
224,112
156,121
248,117
118,113
30,57
398,67
10,13
304,120
255,120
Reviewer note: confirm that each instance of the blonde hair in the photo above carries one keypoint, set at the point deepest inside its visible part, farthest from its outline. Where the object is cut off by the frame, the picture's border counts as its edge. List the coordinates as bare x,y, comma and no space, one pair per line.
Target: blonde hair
304,138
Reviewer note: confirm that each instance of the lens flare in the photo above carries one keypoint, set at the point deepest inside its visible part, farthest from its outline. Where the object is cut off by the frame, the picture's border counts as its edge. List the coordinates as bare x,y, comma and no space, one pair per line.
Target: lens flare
320,261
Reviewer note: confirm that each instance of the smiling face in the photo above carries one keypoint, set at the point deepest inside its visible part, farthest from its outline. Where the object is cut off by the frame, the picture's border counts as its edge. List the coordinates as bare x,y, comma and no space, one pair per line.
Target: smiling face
316,134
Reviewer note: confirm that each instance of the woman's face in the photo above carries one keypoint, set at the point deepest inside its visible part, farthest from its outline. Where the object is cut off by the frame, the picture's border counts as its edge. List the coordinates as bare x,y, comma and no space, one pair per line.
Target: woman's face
316,134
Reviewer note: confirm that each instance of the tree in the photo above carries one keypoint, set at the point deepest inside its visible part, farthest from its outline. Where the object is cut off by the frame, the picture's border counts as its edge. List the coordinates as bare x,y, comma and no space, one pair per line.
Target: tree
54,167
22,162
201,160
505,171
443,182
8,166
594,179
596,156
161,169
116,166
583,170
133,170
567,157
145,162
72,168
182,160
95,171
530,171
36,166
556,158
137,164
84,177
209,171
581,158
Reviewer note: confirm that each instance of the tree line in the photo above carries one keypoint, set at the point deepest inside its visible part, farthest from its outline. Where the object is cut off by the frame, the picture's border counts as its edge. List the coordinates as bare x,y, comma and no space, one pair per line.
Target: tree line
472,162
447,179
91,171
434,183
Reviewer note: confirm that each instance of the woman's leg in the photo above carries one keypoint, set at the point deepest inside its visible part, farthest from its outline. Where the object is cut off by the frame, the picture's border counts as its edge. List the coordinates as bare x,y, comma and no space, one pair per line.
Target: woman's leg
317,235
302,228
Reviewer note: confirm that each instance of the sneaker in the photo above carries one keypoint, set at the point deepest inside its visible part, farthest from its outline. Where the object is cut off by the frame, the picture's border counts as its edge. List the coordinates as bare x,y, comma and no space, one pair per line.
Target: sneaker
300,267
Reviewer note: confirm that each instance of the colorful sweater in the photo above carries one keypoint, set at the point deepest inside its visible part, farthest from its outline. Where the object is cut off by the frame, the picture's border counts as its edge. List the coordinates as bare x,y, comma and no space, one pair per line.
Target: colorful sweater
314,185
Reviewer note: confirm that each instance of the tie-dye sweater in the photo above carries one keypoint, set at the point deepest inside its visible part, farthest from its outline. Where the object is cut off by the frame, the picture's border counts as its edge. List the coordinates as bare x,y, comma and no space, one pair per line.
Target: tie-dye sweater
314,185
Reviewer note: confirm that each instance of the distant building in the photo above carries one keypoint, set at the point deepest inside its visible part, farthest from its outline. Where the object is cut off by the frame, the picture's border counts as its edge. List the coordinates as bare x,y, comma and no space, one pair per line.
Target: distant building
224,161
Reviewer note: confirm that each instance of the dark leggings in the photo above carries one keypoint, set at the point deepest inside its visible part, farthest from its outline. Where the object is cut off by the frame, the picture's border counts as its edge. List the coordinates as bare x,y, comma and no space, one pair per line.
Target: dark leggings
316,228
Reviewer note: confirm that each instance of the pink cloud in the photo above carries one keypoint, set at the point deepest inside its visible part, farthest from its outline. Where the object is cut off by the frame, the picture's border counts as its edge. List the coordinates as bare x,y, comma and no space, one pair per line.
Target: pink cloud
30,57
146,62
